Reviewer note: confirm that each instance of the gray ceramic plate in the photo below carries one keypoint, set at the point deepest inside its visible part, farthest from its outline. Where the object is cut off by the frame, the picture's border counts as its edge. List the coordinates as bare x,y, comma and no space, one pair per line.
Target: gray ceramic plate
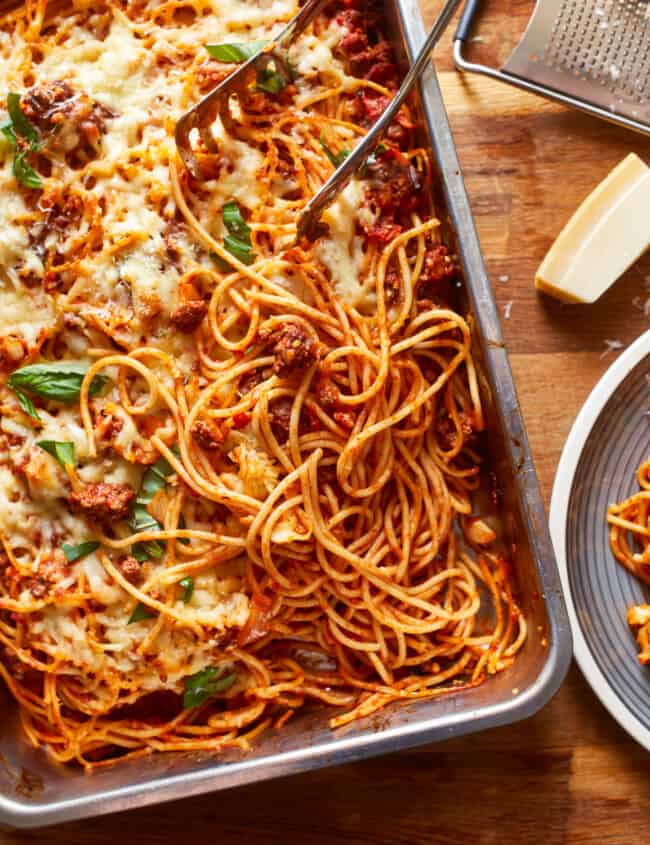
608,441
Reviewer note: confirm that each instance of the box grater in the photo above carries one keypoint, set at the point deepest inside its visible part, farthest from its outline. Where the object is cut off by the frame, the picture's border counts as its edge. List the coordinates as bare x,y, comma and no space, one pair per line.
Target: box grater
593,55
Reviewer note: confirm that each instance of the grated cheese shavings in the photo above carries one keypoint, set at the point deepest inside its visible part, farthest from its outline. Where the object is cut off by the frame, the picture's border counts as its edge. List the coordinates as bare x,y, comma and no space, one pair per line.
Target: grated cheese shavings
612,346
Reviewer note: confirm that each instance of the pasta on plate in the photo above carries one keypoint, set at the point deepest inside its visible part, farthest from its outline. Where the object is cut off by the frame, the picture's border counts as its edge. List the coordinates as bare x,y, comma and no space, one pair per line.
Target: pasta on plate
629,540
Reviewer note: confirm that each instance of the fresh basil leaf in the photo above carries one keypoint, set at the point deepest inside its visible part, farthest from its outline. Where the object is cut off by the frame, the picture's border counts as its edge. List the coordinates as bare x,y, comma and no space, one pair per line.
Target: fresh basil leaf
151,484
188,589
27,405
235,53
19,122
238,242
148,550
140,613
60,380
240,249
235,223
19,125
337,159
73,553
204,684
25,173
270,81
154,479
141,520
63,452
7,129
139,552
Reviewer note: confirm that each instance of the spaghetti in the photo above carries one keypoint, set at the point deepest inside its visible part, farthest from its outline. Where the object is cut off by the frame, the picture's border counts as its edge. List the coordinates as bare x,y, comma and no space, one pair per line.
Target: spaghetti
236,474
629,537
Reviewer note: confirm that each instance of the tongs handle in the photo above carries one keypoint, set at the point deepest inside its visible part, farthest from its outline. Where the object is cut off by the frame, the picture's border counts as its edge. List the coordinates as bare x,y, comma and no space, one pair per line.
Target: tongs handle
466,22
308,222
205,110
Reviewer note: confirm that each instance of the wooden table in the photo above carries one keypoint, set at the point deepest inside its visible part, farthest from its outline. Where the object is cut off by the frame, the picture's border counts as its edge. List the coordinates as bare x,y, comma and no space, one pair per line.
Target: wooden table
569,774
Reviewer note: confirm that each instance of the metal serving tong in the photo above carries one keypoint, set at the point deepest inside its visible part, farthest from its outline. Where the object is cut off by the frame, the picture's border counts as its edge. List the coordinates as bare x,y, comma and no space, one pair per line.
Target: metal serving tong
202,115
217,102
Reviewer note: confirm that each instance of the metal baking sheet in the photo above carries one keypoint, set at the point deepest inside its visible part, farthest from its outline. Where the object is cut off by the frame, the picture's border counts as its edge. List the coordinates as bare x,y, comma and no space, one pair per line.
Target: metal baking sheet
34,791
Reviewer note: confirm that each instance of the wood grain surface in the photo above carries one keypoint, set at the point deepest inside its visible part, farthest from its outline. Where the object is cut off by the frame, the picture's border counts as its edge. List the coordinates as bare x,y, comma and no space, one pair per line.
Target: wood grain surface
569,774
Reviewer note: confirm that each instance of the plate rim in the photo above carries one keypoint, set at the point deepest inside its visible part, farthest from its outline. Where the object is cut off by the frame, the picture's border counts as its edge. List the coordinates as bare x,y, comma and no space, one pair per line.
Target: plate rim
560,495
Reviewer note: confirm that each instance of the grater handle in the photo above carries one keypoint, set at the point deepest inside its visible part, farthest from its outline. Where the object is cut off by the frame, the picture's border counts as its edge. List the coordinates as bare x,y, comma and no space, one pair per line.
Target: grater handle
466,21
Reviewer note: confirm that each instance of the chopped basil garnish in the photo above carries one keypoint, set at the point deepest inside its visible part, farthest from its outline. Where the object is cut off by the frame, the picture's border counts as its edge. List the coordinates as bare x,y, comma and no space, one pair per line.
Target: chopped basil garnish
7,129
235,223
204,684
63,452
60,380
188,588
140,613
26,404
240,249
73,553
270,81
19,126
154,479
238,241
337,159
141,520
235,53
19,122
25,173
147,550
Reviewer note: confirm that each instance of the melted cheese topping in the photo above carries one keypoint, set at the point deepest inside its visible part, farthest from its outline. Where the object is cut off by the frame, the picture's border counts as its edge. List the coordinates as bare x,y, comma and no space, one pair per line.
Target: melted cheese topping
239,177
14,240
24,312
342,251
129,285
131,250
123,74
313,55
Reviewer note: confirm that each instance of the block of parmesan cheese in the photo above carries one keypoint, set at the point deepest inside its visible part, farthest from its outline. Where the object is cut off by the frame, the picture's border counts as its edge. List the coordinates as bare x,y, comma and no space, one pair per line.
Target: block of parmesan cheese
605,236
